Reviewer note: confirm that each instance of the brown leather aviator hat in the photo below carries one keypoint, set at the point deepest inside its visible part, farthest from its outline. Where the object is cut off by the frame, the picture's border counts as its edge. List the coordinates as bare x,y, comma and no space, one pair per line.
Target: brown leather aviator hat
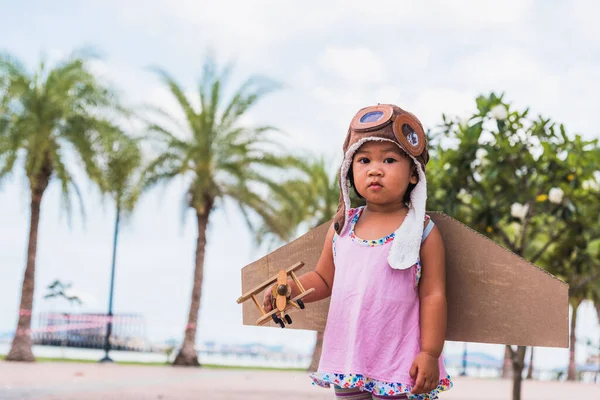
390,123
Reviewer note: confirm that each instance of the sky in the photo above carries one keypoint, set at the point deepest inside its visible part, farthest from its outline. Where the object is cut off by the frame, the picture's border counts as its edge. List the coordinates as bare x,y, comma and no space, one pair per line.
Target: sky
331,58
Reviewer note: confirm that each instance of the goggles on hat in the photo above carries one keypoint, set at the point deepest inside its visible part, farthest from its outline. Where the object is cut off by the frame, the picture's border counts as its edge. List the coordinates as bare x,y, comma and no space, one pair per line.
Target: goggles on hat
405,126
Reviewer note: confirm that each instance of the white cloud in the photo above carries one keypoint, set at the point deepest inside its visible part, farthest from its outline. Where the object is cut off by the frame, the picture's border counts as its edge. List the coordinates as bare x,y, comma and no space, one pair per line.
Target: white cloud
499,66
431,103
585,18
358,65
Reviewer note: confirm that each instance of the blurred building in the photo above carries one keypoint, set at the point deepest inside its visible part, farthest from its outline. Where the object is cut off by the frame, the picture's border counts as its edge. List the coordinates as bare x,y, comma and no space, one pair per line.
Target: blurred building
88,330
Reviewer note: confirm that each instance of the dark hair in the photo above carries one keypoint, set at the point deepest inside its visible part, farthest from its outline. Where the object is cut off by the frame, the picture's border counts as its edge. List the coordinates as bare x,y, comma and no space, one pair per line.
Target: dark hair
409,189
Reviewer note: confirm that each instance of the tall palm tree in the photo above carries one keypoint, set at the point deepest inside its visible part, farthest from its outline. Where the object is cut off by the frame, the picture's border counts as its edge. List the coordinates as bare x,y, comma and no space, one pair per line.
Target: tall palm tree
218,158
48,115
123,162
312,199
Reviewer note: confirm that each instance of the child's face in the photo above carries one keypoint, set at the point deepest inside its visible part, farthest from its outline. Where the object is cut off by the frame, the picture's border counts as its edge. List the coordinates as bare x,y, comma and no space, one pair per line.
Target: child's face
382,172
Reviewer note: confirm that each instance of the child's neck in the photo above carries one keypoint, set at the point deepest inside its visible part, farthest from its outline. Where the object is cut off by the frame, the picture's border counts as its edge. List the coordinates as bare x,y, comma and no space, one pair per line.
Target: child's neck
378,221
389,208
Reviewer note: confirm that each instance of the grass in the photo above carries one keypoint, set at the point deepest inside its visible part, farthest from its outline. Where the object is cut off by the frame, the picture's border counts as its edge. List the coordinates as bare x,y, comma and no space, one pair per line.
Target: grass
162,364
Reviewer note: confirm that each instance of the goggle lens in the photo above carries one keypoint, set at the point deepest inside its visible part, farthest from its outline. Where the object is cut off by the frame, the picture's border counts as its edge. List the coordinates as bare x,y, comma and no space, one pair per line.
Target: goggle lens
372,116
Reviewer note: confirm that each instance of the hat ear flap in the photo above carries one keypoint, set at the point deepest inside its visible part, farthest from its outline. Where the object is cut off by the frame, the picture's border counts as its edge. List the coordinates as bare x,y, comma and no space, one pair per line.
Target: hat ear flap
339,218
346,142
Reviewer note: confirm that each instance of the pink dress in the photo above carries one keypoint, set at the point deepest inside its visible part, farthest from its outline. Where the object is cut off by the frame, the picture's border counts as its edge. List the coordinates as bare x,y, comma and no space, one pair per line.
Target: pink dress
372,335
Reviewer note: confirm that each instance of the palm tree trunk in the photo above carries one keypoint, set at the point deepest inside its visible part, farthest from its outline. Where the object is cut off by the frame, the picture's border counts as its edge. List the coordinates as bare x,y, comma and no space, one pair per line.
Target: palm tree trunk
518,361
597,305
20,349
572,371
316,357
530,369
507,365
187,355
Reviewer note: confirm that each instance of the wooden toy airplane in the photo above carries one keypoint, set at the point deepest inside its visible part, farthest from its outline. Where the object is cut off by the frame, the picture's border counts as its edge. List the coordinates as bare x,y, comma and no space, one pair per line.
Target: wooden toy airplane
280,295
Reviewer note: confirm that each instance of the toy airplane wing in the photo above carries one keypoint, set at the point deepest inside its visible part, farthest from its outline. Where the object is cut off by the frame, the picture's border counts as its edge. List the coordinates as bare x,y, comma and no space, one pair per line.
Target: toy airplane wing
494,296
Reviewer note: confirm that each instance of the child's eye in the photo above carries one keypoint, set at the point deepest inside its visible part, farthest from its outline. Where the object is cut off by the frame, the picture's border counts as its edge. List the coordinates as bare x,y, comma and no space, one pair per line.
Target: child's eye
364,160
389,160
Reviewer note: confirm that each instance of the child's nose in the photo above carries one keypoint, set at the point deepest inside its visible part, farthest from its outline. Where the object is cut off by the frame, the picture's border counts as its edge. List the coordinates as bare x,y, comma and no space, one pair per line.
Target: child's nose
375,171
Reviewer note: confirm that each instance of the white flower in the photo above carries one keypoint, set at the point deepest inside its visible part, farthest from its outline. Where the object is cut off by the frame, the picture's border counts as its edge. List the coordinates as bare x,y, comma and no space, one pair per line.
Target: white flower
556,195
499,112
518,210
481,153
590,184
464,196
446,167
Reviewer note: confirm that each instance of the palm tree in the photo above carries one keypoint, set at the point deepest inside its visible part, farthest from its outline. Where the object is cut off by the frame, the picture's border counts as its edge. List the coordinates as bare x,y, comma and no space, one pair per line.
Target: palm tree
308,200
47,116
123,161
218,159
312,199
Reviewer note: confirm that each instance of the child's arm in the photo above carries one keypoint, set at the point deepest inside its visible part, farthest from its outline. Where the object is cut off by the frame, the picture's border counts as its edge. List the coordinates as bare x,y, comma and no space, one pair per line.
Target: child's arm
433,312
321,279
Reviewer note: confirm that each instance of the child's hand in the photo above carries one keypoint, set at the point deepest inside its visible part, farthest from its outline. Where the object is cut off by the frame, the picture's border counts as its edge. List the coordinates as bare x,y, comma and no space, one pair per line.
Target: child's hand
425,371
268,299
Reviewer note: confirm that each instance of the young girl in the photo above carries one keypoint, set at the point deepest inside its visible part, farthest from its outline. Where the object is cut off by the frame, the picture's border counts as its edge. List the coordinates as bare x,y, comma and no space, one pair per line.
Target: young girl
383,266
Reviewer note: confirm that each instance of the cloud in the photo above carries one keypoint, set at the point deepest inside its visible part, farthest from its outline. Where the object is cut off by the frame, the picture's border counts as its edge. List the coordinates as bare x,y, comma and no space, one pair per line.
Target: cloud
430,104
358,65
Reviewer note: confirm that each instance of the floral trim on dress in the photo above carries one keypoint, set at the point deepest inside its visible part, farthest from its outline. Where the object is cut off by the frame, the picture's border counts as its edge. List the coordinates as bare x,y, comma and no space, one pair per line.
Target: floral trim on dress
417,272
335,237
377,387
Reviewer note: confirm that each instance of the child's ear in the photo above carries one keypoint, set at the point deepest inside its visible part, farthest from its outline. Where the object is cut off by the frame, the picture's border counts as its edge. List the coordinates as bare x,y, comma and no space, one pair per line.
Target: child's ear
414,176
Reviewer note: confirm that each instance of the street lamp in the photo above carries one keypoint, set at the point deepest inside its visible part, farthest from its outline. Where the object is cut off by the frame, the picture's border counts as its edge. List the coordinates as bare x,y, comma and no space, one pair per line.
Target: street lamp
112,285
464,361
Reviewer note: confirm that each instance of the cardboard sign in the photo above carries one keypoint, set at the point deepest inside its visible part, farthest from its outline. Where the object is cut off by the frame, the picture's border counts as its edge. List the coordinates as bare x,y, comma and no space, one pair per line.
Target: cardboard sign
494,296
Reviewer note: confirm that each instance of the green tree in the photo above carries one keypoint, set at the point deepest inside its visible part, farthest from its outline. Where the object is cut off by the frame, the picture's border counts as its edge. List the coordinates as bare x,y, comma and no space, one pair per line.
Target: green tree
47,116
218,159
576,259
509,176
57,290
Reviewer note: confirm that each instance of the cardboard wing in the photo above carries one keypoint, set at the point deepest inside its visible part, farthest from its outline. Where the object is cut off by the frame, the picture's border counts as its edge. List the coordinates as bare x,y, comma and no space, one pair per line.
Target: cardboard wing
494,296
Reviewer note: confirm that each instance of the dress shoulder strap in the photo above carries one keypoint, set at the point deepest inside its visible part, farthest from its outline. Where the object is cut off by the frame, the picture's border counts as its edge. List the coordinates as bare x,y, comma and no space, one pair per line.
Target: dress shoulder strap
427,229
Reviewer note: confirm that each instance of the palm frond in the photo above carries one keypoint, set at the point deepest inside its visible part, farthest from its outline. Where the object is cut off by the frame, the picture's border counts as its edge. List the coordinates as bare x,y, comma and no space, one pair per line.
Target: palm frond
256,204
249,93
157,111
164,167
178,93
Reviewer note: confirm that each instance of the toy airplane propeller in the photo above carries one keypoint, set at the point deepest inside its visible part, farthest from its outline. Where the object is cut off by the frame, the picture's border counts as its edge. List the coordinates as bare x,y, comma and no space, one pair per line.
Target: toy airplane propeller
493,295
